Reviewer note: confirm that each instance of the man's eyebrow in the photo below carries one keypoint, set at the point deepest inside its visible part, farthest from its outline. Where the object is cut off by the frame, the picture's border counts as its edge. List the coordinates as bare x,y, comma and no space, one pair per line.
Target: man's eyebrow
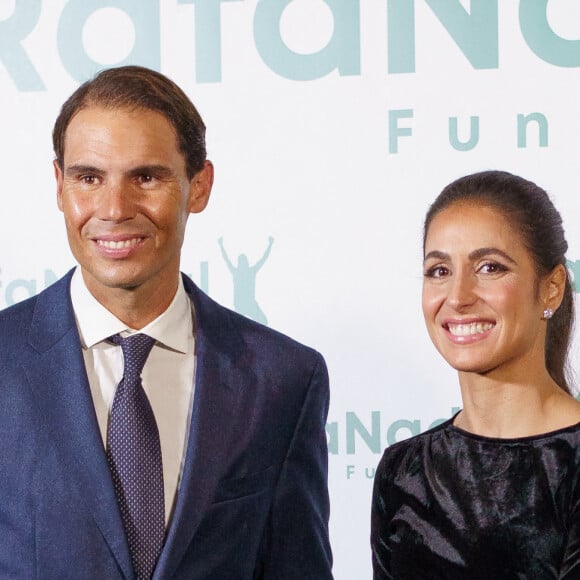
80,169
156,170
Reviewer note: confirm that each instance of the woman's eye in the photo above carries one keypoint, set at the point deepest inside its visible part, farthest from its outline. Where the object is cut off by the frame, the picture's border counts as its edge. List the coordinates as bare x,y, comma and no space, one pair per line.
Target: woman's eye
492,268
436,272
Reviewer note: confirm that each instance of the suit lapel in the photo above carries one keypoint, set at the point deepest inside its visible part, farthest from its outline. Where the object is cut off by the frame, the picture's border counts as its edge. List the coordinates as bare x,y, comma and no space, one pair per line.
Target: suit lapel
219,381
56,372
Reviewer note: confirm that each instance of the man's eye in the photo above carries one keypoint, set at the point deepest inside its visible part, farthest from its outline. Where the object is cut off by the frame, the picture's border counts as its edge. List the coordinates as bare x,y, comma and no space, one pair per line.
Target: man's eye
145,178
89,179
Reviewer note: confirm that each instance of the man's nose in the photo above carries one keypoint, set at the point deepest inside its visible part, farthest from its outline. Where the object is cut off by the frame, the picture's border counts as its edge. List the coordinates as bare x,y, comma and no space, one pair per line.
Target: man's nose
116,203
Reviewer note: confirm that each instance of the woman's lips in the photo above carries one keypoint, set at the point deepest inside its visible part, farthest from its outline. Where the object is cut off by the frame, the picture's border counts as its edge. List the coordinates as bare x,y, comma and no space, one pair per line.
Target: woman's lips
468,331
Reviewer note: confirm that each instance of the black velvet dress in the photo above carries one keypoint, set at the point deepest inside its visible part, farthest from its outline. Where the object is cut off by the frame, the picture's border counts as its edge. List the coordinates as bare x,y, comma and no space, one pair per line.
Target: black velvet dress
450,504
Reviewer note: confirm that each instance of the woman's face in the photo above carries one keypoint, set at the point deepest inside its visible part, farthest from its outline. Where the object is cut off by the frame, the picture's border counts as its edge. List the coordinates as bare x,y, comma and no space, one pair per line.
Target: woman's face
481,299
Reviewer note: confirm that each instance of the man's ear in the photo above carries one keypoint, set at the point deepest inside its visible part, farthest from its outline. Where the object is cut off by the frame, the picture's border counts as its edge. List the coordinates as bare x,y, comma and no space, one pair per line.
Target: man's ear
58,177
200,188
553,286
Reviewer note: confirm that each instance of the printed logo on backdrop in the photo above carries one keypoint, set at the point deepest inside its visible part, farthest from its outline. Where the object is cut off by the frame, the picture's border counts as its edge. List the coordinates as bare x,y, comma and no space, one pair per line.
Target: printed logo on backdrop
463,135
244,282
13,290
357,435
335,42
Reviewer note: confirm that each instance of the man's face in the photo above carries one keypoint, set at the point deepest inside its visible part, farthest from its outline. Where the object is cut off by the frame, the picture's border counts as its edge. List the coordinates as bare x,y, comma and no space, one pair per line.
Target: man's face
126,198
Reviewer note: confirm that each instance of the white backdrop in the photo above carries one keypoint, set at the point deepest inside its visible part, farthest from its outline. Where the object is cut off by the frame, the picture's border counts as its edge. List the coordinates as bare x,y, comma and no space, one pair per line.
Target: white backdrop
332,125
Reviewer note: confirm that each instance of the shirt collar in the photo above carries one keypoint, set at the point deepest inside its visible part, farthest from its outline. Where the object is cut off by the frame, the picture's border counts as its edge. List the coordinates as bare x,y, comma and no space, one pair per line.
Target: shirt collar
95,323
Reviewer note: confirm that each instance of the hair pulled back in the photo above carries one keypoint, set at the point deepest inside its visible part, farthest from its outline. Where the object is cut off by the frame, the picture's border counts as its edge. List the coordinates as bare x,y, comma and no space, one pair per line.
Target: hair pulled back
529,209
137,87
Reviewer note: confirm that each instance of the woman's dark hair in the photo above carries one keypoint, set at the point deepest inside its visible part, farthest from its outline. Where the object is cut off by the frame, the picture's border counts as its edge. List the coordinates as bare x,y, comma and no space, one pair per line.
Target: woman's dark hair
136,87
531,211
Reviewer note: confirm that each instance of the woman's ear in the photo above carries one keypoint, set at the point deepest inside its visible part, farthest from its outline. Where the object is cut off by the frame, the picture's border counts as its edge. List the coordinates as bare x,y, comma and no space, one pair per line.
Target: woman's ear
552,287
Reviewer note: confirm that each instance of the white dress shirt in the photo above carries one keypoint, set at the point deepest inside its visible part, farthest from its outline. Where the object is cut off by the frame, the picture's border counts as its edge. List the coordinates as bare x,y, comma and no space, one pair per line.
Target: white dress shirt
168,375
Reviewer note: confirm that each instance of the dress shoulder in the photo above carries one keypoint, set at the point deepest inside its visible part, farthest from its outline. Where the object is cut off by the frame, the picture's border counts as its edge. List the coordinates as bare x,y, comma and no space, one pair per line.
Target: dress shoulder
399,456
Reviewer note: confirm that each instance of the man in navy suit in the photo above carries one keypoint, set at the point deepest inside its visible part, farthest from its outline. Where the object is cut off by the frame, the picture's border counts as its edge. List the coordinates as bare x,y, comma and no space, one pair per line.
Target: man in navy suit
240,409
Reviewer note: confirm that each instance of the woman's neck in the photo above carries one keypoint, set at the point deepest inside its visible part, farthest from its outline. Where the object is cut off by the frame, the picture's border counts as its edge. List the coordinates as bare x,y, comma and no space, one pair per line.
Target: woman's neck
508,407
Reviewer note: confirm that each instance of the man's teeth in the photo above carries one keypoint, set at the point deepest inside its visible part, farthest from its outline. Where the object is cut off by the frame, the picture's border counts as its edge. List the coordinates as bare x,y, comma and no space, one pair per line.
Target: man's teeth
469,329
118,245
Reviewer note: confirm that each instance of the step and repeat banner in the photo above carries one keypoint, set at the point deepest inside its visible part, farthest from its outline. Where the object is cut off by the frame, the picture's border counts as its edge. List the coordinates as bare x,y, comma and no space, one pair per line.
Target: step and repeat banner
332,125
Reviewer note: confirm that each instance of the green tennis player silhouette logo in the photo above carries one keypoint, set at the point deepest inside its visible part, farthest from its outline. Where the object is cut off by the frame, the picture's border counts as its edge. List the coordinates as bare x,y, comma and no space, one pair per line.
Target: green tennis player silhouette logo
244,279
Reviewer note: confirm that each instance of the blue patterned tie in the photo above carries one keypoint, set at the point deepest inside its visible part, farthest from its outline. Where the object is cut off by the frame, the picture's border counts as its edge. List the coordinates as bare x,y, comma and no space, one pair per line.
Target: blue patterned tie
134,456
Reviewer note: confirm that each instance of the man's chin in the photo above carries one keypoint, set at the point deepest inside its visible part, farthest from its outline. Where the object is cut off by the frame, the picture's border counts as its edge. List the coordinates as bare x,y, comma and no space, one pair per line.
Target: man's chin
111,280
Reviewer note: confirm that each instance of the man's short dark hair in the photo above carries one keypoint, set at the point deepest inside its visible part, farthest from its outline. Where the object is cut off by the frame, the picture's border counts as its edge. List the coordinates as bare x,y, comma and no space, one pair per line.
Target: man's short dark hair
136,87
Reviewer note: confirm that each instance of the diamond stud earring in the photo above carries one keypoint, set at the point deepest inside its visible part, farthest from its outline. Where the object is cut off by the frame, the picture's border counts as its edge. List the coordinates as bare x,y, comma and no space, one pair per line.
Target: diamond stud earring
548,313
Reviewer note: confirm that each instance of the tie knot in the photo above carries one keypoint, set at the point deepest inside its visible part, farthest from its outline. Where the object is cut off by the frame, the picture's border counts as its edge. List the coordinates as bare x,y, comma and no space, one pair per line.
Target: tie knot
136,349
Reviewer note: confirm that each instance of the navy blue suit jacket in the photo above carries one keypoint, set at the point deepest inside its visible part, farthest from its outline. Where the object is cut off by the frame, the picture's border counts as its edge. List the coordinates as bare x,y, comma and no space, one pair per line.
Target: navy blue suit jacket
253,499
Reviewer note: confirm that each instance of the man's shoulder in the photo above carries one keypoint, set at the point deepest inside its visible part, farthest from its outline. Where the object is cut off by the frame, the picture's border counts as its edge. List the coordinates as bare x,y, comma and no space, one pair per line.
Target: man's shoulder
223,321
218,316
15,324
17,319
18,314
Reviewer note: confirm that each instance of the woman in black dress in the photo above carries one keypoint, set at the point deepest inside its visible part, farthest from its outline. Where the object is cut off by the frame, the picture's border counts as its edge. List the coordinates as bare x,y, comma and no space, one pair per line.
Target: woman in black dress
494,492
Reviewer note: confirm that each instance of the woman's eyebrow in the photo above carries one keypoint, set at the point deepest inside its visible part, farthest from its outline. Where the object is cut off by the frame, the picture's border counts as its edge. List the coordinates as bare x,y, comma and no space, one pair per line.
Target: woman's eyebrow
482,252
